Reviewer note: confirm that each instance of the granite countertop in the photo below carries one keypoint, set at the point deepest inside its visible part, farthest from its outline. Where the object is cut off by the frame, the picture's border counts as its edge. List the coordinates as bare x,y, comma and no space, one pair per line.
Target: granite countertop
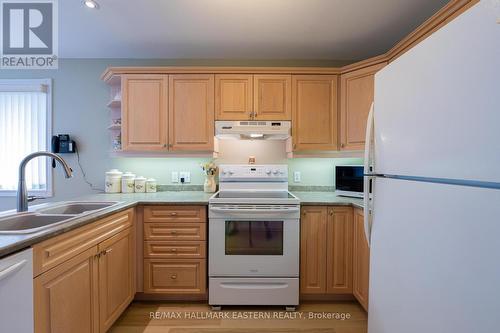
10,243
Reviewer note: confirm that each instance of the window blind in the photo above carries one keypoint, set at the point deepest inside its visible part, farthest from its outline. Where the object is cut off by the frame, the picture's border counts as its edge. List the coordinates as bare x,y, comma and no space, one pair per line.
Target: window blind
23,130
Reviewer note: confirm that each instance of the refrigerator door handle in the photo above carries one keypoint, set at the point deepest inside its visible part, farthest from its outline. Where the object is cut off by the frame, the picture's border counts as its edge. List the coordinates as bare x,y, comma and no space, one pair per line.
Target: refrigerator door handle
366,183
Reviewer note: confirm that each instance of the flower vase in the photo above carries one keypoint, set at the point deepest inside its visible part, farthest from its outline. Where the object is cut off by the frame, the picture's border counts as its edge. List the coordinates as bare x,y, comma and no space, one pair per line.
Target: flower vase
209,185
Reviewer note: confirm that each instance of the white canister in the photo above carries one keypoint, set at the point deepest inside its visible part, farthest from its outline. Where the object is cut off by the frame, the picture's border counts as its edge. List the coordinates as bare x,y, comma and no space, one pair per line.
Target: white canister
151,185
112,181
128,182
140,184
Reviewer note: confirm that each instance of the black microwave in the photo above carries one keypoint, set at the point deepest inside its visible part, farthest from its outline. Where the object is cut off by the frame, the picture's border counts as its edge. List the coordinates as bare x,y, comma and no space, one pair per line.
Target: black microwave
349,180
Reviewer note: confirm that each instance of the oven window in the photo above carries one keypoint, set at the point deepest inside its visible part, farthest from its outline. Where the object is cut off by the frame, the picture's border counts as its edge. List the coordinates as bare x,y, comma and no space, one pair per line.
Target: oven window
254,238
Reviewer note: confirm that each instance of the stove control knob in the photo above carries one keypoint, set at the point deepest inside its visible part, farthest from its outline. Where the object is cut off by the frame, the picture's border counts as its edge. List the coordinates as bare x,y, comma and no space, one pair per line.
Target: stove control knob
268,171
231,172
275,172
222,172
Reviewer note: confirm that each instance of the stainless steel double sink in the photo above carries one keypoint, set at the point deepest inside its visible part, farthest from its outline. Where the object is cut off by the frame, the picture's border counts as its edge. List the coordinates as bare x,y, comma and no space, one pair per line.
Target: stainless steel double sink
43,218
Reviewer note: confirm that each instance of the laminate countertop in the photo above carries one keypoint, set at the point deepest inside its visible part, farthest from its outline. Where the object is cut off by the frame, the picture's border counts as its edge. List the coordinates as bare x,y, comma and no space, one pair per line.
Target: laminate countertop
10,243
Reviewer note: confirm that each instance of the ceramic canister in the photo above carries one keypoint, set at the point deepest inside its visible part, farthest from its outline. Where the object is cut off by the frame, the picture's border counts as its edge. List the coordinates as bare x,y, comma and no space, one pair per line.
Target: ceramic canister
128,182
112,181
151,185
140,184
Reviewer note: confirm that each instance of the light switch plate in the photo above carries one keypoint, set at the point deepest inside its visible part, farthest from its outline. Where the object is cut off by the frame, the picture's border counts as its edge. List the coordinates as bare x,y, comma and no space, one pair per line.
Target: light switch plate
175,177
296,176
186,175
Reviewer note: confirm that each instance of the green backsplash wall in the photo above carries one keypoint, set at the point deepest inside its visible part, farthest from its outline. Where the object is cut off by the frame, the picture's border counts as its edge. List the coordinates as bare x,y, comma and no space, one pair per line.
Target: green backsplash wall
317,171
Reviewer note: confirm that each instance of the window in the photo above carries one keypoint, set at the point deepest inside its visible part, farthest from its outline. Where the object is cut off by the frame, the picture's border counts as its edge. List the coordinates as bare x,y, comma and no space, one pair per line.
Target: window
25,127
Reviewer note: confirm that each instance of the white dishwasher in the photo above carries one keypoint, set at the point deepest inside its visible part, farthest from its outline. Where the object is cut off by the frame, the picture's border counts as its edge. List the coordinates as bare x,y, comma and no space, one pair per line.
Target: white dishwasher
16,292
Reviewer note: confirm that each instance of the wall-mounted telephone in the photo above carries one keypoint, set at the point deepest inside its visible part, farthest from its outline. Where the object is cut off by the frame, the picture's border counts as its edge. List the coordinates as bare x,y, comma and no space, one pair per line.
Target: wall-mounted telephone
62,144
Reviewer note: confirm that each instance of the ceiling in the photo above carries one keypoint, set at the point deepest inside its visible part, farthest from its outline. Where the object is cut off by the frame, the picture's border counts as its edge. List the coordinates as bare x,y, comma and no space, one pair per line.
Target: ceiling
238,29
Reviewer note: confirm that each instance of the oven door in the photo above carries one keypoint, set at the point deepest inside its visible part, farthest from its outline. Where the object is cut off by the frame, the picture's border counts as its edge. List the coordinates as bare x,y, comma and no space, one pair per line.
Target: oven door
254,240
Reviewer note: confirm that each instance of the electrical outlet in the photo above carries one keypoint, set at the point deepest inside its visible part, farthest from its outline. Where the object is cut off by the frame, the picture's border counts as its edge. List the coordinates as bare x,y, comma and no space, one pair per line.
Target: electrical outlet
175,177
296,176
186,175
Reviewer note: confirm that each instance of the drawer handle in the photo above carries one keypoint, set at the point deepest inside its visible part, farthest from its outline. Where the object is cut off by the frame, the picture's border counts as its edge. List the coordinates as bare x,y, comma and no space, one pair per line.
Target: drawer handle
173,250
173,214
173,276
174,232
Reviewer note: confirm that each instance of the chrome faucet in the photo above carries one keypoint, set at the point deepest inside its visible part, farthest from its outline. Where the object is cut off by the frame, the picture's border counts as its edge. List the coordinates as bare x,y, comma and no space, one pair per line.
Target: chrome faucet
22,193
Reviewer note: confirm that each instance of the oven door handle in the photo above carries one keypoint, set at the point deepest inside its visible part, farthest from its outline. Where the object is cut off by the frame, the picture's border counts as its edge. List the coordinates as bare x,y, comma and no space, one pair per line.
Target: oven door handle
256,211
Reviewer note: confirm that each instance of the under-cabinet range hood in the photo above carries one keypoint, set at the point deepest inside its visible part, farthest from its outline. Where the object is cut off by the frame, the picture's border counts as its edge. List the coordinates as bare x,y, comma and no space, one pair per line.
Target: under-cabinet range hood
253,130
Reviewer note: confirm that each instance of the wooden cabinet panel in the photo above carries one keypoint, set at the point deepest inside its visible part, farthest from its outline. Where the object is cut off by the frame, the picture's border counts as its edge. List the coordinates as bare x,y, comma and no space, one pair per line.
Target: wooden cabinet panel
169,249
144,112
313,235
191,112
314,105
272,97
182,276
357,89
339,250
57,250
197,214
116,277
233,96
66,297
175,231
361,260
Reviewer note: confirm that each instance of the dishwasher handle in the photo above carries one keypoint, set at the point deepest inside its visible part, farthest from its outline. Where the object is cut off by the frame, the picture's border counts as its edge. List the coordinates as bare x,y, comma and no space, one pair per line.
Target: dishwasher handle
12,269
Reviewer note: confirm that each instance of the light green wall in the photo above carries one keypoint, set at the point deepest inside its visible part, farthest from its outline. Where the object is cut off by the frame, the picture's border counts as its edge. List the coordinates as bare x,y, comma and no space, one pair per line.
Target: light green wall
79,109
317,171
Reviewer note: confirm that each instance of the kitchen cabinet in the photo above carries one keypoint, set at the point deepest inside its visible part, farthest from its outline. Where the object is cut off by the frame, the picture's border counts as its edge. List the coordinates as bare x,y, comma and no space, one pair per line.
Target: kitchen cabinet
361,262
191,112
116,277
85,278
144,112
272,97
314,117
357,93
326,250
175,250
233,96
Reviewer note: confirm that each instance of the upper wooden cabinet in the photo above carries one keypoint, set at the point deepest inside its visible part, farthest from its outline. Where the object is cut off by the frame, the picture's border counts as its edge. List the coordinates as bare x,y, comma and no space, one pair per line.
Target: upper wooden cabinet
315,116
357,90
191,112
326,250
361,260
233,96
144,112
272,97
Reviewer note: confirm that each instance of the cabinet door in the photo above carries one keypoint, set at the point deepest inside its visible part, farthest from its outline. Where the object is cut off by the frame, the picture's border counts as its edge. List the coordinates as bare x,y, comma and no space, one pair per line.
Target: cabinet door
313,227
66,297
315,116
361,260
191,112
357,89
116,277
272,97
339,250
233,96
144,112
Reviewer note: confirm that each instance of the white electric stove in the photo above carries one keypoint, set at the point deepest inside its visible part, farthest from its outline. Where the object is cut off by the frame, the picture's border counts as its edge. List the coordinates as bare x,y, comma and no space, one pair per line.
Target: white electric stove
254,238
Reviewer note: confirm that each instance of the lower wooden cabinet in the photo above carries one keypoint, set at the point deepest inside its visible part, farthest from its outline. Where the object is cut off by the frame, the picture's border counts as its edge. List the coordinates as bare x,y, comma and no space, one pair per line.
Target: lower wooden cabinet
175,250
90,290
361,260
326,250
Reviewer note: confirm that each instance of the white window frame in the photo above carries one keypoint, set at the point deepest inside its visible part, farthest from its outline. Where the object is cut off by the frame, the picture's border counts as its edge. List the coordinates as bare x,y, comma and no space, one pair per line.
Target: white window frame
28,85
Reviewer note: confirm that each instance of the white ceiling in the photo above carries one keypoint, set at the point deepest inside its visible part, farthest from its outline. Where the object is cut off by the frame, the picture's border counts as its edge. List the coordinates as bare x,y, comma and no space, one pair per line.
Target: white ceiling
238,29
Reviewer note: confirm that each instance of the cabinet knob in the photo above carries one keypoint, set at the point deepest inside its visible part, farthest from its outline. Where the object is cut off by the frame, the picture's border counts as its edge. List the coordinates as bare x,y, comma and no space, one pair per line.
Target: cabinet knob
331,212
165,145
173,276
107,251
173,250
294,146
342,145
174,232
173,213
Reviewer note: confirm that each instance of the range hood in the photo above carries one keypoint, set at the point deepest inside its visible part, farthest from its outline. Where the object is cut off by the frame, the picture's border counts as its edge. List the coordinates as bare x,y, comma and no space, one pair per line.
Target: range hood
253,130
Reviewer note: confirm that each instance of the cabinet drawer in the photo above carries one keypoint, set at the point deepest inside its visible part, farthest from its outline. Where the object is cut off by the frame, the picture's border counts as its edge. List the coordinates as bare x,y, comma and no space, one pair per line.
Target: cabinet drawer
169,249
182,276
56,250
175,231
197,214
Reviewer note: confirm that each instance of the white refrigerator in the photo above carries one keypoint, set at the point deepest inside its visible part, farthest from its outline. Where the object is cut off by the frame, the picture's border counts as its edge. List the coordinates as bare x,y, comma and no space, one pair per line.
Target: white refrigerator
433,222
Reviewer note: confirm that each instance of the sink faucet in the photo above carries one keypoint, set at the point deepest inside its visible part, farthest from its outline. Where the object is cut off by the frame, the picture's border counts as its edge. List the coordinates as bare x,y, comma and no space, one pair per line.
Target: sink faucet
22,193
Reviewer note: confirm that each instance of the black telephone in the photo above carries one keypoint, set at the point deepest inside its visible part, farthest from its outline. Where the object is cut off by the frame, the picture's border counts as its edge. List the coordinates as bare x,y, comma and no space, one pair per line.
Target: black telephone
62,144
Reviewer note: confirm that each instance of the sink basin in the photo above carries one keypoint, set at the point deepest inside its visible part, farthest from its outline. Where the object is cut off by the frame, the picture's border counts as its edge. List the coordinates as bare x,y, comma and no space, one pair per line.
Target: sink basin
76,207
28,223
